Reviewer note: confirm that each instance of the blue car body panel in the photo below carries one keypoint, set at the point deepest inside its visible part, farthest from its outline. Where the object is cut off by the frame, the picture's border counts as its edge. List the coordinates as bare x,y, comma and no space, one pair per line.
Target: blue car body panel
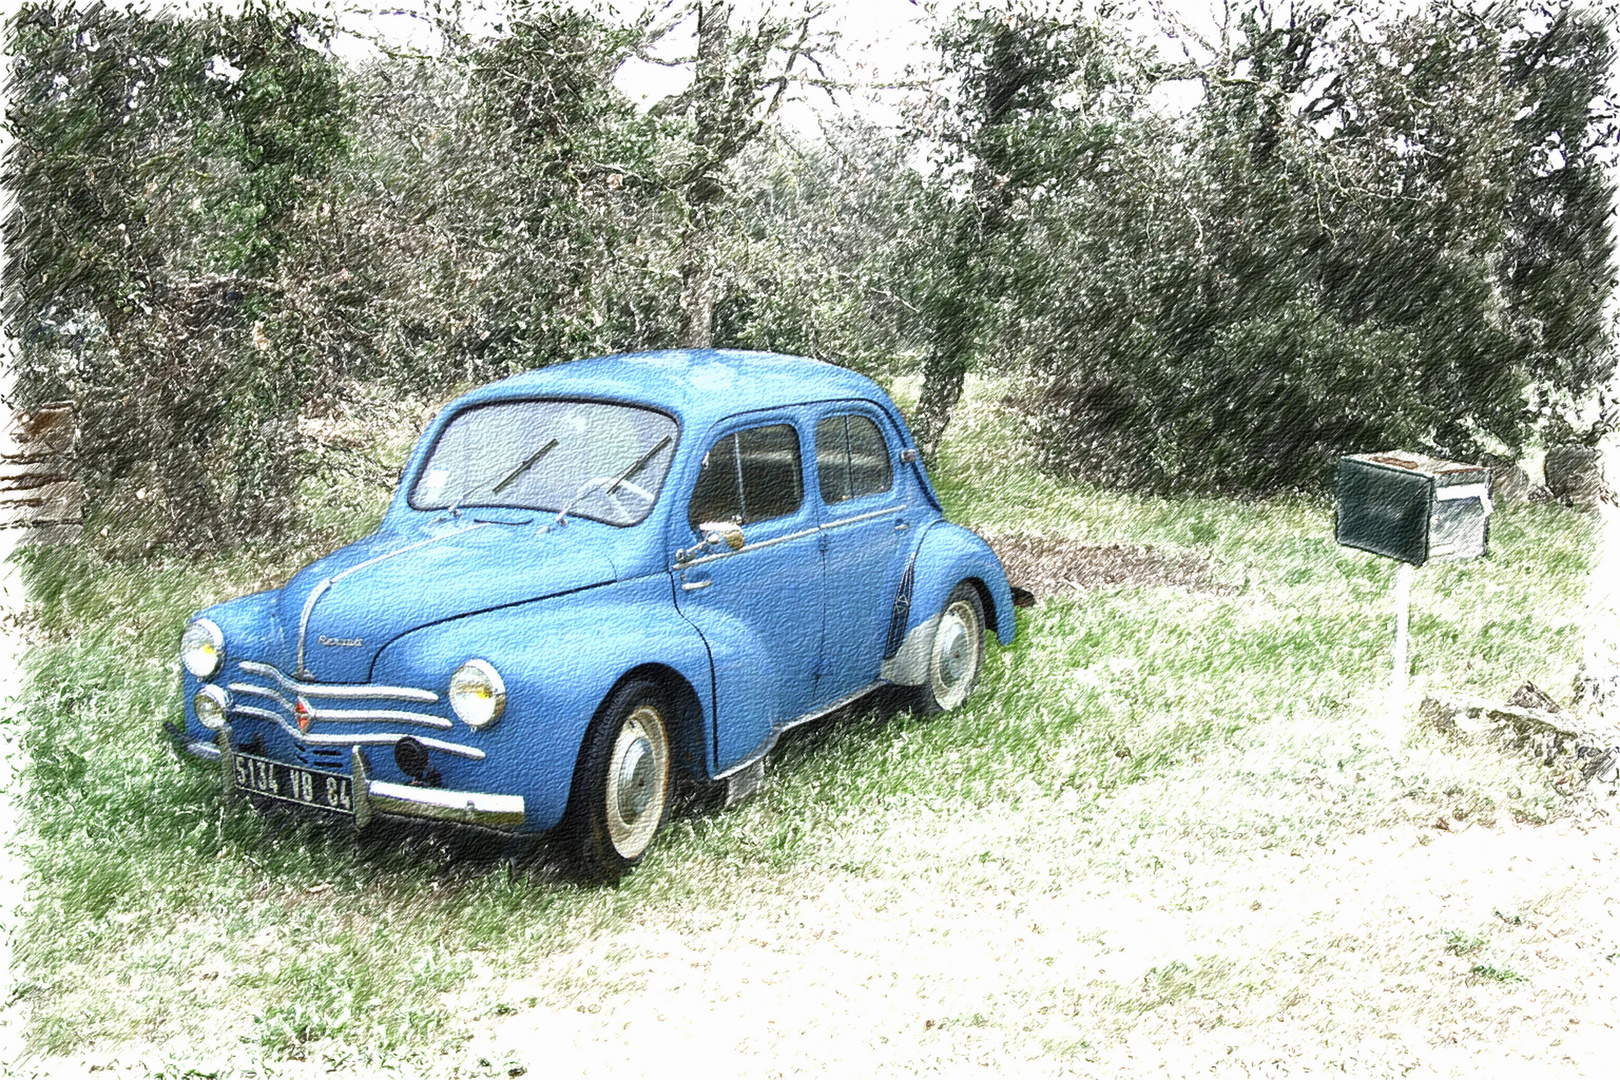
552,658
832,593
949,554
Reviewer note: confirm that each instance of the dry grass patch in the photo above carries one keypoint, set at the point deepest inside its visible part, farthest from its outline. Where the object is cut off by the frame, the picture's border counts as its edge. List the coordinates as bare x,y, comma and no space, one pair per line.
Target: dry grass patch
1049,563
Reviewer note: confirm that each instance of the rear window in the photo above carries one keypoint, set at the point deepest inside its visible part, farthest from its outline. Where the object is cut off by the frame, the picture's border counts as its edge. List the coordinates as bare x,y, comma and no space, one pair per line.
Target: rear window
852,458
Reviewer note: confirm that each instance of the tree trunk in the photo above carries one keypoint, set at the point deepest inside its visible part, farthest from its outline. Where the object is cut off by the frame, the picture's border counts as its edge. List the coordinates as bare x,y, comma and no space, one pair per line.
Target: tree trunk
955,318
714,120
697,289
941,390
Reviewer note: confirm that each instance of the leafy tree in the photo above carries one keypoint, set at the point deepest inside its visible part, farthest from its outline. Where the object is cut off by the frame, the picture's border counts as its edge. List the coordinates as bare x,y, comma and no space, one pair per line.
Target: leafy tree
741,77
525,211
1332,253
538,192
1557,261
833,240
157,164
1029,99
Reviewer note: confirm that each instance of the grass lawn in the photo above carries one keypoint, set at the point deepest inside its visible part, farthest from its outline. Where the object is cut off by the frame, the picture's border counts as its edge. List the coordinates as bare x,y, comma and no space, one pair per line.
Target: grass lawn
1166,824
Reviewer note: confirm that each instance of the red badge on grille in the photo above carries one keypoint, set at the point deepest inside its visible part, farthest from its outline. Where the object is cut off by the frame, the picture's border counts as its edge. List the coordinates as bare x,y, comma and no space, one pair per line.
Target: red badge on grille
305,714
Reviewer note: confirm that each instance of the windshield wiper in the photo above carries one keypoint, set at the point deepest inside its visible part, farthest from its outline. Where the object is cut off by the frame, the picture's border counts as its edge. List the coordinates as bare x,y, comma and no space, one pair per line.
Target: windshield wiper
528,463
640,464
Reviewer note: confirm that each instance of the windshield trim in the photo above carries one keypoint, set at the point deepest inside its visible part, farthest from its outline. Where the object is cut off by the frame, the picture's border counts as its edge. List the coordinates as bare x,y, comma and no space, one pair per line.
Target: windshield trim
409,484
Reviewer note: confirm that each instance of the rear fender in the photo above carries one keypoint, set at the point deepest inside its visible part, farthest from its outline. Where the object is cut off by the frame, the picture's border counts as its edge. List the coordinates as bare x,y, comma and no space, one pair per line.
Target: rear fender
946,555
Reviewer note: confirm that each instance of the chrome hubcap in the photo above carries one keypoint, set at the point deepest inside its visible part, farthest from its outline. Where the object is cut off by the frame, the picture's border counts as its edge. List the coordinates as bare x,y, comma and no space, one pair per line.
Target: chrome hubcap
637,781
955,660
636,774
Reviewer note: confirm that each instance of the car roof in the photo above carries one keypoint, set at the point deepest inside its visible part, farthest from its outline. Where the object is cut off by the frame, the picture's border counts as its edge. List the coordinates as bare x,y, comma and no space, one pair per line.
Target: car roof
700,386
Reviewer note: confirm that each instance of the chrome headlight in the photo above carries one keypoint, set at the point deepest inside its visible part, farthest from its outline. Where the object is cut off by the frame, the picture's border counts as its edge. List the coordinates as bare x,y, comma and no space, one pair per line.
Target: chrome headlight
210,704
202,648
477,693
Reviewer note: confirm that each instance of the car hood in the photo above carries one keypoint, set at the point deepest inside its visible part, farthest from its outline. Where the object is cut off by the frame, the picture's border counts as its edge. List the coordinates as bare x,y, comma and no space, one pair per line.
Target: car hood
346,607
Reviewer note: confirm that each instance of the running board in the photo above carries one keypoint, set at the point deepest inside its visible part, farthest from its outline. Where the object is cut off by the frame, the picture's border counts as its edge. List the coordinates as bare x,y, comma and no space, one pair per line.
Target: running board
743,779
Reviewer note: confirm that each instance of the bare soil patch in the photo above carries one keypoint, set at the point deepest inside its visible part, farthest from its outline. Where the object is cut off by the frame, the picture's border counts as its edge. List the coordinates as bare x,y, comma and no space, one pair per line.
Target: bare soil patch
1046,564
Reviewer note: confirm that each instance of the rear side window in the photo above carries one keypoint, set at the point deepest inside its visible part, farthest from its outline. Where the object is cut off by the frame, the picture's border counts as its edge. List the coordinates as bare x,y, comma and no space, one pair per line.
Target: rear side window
749,476
851,458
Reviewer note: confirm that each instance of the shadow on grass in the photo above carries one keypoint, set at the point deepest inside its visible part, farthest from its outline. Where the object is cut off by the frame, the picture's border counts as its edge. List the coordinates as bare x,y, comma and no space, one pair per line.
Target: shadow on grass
454,855
867,718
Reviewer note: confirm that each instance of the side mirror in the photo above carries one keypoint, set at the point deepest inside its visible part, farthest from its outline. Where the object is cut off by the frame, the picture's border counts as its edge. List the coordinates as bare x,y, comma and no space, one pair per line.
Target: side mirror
722,532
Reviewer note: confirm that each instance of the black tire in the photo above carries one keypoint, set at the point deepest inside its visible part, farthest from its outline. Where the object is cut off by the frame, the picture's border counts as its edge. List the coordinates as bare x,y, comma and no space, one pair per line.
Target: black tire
955,652
621,789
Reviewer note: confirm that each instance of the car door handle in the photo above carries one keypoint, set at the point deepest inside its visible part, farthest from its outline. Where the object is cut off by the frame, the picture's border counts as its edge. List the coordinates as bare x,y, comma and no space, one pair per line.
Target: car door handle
693,586
901,526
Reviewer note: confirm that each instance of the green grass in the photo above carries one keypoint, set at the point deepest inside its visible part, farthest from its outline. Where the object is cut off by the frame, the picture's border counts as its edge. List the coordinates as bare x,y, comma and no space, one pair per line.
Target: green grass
1491,973
1130,733
1461,943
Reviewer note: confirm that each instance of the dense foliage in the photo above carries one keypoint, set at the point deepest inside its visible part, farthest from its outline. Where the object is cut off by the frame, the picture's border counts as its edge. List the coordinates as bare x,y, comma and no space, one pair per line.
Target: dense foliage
1349,242
1364,232
158,258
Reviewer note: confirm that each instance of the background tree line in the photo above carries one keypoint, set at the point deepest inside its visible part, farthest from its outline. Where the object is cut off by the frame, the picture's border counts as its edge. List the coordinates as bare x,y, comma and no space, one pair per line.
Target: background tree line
1368,231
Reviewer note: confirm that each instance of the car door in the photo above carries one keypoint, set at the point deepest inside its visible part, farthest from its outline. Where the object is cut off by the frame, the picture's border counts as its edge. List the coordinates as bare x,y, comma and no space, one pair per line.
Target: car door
866,522
758,605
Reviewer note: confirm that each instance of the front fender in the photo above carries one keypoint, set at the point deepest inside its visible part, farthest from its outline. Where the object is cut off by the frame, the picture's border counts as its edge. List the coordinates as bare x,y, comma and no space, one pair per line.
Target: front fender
251,630
946,555
559,659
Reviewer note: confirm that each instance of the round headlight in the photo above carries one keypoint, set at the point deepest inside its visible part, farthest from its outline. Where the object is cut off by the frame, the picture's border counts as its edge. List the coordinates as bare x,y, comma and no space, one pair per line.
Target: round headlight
202,648
477,693
210,704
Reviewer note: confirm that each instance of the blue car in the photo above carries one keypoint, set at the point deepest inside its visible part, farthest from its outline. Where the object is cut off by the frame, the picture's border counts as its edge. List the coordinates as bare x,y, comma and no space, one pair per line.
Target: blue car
593,578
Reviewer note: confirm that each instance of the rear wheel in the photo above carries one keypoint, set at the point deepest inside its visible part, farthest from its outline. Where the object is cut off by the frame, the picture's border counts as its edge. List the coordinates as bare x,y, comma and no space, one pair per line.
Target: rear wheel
621,784
956,653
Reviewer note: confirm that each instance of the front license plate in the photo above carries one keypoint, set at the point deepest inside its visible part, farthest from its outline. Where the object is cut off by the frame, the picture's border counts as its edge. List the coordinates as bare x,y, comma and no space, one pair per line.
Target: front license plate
278,780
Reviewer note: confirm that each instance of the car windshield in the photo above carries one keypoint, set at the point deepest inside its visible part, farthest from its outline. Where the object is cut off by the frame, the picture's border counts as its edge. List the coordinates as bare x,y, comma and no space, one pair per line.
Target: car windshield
593,459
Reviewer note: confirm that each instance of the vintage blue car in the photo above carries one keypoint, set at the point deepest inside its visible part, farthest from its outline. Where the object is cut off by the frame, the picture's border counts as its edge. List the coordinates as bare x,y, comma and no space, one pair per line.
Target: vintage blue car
592,577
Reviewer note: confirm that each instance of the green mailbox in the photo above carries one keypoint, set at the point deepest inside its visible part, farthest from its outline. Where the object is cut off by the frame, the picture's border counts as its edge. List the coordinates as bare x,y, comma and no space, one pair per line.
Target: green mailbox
1412,507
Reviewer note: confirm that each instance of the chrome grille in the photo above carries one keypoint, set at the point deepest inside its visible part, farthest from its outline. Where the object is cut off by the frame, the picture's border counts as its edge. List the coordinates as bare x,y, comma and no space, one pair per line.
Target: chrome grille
326,758
268,694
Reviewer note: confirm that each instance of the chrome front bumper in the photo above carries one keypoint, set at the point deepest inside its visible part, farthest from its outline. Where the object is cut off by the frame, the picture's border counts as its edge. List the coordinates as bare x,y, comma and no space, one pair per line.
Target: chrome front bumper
372,797
504,812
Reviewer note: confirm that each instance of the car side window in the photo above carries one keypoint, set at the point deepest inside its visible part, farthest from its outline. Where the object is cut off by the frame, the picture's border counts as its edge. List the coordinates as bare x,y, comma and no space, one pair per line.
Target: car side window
749,476
852,458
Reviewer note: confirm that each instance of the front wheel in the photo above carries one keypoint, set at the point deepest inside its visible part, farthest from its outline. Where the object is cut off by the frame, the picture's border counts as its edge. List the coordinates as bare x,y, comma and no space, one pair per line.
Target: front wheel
621,784
956,653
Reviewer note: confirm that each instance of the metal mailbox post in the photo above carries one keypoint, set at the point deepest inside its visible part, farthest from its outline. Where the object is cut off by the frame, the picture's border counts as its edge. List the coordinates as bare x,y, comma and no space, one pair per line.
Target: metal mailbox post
1412,508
